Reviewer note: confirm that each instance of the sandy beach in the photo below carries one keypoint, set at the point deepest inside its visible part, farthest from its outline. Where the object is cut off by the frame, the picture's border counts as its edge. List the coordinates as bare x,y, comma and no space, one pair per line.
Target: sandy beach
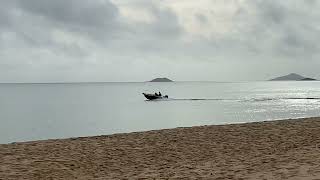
286,149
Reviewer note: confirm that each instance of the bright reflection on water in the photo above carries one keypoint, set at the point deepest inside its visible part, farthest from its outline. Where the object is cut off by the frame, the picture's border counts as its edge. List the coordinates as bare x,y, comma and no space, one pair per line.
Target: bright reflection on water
42,111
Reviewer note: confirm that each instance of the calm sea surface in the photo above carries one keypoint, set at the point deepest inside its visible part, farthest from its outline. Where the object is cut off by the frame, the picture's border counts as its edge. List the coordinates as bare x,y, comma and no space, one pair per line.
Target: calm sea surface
45,111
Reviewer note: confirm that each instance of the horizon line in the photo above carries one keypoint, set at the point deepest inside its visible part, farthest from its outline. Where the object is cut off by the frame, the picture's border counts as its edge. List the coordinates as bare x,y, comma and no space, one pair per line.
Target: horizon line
87,82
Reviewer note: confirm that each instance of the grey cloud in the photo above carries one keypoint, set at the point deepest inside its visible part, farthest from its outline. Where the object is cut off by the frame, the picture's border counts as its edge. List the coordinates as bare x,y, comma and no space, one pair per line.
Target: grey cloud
5,14
161,36
93,21
36,19
277,28
201,18
296,30
96,21
271,12
93,32
32,24
166,23
73,12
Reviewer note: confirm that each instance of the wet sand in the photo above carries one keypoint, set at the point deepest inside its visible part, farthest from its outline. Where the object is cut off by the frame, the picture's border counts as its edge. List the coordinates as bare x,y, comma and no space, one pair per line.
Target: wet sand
287,149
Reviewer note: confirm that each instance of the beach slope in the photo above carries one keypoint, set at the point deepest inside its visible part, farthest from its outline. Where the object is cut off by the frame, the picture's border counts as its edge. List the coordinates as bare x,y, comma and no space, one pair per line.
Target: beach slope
287,149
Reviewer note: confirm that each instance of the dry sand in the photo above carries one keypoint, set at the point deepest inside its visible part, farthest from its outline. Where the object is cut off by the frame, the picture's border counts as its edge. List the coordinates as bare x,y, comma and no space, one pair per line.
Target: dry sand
287,149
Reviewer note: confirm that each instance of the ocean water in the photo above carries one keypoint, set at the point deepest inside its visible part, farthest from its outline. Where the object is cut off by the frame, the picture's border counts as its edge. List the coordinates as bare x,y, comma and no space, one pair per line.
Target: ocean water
46,111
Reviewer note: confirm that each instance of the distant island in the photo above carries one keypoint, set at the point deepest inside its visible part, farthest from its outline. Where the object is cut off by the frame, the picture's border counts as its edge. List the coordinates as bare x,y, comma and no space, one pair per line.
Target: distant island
292,77
308,79
161,80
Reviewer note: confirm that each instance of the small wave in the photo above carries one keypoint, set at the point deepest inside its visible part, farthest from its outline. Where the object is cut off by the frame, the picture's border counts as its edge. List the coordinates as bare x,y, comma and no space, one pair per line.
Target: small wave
312,98
283,98
192,99
199,99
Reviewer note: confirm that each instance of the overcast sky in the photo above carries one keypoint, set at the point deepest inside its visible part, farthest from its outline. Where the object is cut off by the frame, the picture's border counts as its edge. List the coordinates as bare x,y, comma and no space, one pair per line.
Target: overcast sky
136,40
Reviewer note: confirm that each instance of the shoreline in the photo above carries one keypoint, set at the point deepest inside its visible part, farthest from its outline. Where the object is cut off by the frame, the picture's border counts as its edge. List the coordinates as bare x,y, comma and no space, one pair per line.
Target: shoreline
277,149
146,131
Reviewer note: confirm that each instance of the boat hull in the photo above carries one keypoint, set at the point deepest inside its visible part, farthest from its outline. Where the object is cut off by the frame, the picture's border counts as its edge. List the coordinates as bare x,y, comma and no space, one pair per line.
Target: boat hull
154,97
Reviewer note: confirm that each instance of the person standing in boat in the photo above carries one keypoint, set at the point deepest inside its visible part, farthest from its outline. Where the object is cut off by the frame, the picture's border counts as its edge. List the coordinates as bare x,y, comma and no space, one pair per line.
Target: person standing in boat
159,93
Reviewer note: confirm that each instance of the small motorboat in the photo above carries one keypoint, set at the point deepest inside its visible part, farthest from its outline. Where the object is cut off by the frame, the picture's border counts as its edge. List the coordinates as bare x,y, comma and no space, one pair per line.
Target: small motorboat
154,96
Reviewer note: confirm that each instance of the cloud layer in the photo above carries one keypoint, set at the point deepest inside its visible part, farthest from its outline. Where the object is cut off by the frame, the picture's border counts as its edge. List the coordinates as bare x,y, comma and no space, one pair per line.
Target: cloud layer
102,40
